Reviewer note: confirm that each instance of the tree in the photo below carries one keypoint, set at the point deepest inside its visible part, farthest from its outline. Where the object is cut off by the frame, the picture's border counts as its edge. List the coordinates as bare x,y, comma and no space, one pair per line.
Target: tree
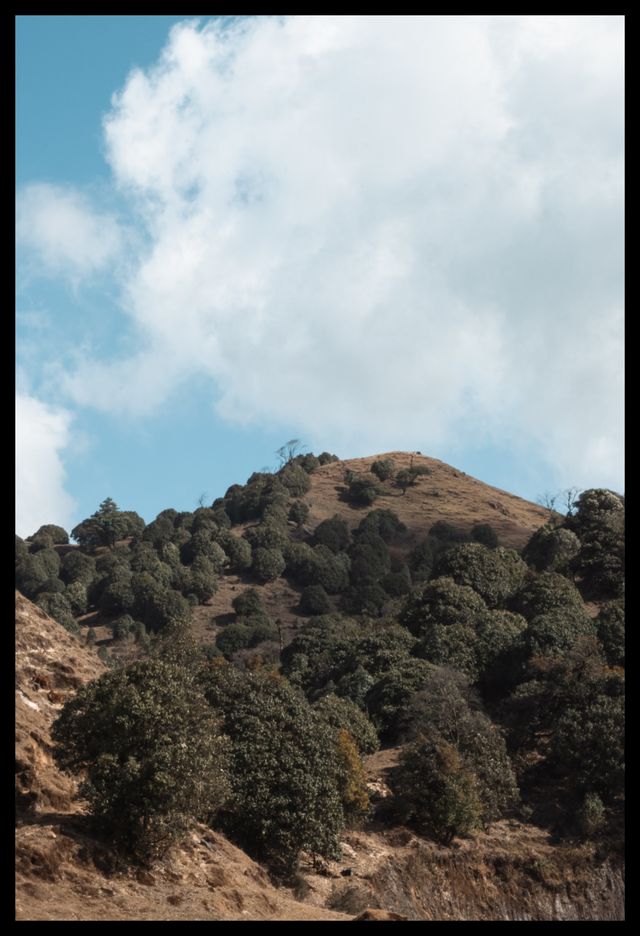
295,479
268,564
342,713
362,490
408,477
284,768
107,525
298,513
247,602
383,468
495,574
436,792
333,533
485,534
152,752
551,548
287,452
57,534
314,600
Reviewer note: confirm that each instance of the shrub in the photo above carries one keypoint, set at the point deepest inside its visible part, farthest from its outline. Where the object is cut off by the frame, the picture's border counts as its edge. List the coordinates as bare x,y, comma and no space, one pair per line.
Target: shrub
334,534
268,564
56,533
551,548
236,636
284,770
547,592
143,784
437,794
362,490
325,458
383,523
389,695
350,778
383,468
592,816
107,525
557,630
485,534
610,628
58,607
266,536
298,513
118,596
123,626
314,600
247,602
204,581
444,616
343,713
77,596
22,550
495,574
77,567
239,552
295,479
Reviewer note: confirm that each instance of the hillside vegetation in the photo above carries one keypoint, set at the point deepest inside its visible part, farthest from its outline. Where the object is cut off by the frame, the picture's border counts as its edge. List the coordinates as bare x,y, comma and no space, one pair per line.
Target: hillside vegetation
258,652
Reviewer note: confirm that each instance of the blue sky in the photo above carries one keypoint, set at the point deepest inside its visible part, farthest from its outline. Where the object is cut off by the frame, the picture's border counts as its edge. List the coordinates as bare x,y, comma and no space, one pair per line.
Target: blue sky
369,234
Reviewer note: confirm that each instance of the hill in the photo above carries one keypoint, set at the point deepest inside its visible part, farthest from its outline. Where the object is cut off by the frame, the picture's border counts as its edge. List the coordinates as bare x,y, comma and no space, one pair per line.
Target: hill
444,495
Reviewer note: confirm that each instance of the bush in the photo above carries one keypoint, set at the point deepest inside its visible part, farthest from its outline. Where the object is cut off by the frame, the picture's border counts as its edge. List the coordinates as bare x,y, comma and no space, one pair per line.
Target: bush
77,596
495,574
557,630
107,525
266,536
77,567
383,468
123,626
362,490
334,534
314,600
236,636
298,513
610,628
204,581
239,552
247,602
57,535
144,785
436,793
444,616
325,458
548,592
485,534
295,479
389,695
58,607
268,564
284,771
22,550
383,523
342,713
551,548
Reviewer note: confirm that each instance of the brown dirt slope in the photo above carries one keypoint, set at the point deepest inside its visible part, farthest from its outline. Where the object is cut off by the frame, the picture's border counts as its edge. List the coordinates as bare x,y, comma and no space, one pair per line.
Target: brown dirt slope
446,494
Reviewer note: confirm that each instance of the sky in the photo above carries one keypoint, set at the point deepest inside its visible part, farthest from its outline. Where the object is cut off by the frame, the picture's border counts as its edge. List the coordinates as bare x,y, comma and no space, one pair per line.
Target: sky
366,233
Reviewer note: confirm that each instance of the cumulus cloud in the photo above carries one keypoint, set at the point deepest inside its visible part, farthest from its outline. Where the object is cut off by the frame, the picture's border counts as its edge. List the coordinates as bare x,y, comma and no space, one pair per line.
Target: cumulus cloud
42,434
64,232
387,231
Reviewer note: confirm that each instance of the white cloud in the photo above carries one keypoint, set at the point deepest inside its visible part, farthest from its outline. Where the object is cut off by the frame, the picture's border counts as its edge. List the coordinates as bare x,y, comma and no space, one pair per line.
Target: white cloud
42,434
64,232
388,231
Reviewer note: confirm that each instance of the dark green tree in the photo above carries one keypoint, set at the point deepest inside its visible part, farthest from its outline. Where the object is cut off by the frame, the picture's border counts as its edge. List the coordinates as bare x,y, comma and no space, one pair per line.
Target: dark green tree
151,751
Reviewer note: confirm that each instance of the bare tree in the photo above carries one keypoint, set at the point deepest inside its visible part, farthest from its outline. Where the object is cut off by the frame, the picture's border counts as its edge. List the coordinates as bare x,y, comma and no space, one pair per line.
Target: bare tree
288,451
